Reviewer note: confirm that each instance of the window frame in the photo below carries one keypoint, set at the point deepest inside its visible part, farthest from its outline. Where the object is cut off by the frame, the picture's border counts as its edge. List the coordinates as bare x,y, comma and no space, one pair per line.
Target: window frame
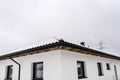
8,72
108,66
34,71
100,69
83,69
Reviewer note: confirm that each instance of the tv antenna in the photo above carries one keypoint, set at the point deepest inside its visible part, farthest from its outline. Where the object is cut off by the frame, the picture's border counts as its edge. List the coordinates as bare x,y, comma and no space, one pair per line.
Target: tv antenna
56,38
101,45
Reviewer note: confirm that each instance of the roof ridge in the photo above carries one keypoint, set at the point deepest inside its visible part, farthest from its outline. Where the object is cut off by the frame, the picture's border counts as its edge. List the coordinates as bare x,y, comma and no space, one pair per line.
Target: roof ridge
60,42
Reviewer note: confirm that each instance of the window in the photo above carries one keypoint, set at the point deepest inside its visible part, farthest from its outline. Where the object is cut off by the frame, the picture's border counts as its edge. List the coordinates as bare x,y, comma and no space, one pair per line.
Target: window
81,69
38,71
100,71
9,72
108,66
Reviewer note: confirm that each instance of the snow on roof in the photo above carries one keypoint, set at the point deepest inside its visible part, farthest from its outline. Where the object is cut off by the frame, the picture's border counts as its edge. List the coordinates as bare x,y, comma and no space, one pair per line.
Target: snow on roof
50,41
32,45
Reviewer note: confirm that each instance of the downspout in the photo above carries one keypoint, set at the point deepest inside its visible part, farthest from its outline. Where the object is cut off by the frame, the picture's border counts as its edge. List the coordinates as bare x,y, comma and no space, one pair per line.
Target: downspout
19,67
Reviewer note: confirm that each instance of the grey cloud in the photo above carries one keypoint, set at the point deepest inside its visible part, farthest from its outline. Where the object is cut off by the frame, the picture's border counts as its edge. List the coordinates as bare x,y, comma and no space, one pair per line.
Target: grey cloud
25,21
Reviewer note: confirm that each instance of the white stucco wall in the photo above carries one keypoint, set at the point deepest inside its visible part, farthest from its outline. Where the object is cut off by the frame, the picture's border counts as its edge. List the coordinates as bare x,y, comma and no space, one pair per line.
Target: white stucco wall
51,62
69,66
60,65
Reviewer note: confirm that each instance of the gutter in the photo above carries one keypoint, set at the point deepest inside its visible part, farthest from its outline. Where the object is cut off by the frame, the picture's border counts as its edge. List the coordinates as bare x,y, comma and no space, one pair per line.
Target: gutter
18,65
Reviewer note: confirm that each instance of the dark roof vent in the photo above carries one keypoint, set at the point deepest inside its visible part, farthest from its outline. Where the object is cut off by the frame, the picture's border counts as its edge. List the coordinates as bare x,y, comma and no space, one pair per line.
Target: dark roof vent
82,43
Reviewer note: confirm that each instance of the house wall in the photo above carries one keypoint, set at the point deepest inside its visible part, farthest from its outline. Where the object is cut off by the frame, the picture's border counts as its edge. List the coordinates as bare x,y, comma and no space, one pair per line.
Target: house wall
51,63
60,65
69,66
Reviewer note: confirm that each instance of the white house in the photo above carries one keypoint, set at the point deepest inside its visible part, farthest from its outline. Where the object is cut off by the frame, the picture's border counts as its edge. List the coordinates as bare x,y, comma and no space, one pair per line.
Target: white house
59,60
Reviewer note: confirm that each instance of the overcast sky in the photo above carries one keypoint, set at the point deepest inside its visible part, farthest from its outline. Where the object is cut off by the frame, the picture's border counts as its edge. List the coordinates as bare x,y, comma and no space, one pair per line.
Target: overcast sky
24,22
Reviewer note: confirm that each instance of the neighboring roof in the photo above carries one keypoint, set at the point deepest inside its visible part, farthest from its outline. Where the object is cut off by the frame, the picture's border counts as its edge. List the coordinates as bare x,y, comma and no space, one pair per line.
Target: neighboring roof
61,44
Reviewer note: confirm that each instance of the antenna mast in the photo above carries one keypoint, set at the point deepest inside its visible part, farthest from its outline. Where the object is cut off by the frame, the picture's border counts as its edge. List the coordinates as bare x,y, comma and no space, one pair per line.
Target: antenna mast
100,44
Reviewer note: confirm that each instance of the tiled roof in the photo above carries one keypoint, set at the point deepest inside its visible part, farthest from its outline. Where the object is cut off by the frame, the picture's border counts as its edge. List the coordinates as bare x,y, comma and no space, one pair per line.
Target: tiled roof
55,44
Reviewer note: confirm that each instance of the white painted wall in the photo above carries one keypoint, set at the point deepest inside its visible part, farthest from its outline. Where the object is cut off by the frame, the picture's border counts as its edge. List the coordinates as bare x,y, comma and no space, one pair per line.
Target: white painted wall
51,62
60,65
69,66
